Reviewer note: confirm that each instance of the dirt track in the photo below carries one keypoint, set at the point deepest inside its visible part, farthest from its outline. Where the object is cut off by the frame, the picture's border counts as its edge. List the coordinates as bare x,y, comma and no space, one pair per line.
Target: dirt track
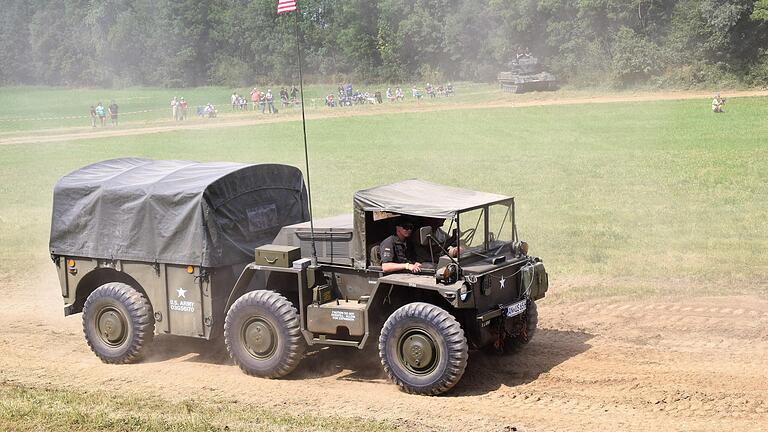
248,119
698,364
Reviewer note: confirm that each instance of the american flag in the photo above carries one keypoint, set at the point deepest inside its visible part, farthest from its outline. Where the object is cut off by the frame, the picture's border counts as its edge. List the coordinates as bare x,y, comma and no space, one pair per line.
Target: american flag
286,6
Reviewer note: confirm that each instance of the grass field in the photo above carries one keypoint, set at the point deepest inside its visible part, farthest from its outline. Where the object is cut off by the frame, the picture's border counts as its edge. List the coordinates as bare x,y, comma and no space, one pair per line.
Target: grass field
621,199
639,198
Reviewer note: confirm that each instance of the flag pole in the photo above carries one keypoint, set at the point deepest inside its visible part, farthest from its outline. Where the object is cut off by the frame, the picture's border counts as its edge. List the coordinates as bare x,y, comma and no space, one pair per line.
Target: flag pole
304,130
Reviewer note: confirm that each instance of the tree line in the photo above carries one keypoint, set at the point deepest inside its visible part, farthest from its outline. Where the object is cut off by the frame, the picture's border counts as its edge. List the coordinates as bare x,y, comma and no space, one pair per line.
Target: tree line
177,43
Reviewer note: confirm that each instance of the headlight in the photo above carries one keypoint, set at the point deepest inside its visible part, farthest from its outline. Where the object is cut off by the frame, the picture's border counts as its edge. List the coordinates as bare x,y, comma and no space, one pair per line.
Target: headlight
463,292
523,248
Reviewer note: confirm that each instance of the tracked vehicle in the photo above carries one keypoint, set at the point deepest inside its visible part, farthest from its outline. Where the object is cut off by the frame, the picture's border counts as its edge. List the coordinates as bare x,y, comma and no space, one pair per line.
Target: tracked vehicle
242,262
525,74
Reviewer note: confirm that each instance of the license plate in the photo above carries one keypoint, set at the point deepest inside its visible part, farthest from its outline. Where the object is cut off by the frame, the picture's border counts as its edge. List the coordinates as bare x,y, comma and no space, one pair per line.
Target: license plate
515,309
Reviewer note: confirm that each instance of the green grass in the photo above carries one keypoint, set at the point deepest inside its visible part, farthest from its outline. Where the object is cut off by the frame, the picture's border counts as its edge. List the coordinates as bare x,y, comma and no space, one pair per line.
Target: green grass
49,409
658,198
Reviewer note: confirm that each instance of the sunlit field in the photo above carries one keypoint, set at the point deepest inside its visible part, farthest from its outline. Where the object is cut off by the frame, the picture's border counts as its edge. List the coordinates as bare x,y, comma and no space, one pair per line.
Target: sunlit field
639,199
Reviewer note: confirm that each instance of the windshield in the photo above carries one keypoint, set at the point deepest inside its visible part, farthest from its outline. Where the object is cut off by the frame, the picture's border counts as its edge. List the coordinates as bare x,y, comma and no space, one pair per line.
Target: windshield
486,230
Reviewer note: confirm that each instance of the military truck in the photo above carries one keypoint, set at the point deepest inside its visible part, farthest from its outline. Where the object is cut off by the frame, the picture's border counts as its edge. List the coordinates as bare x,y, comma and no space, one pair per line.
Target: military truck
525,74
312,284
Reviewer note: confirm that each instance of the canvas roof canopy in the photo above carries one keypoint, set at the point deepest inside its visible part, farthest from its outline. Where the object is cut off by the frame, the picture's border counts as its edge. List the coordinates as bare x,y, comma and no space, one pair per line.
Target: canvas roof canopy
177,212
422,198
414,198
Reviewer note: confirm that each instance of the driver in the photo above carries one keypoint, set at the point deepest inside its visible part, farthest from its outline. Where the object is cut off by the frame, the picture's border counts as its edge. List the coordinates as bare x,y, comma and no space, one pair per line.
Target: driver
396,252
429,253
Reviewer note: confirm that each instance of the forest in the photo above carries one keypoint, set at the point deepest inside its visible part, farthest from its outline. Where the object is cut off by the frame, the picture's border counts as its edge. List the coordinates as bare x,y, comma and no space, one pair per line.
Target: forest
180,43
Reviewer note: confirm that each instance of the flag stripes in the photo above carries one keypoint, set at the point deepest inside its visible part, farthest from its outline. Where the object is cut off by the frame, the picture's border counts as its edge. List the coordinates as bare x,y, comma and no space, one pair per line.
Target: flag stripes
286,6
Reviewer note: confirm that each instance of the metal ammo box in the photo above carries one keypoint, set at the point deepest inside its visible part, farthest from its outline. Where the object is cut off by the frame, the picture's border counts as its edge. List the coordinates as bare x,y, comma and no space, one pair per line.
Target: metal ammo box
277,255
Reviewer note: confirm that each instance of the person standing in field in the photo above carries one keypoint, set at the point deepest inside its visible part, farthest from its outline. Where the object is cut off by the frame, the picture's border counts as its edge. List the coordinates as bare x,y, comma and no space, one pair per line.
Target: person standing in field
255,98
93,116
102,113
717,104
175,108
183,108
233,100
270,101
113,112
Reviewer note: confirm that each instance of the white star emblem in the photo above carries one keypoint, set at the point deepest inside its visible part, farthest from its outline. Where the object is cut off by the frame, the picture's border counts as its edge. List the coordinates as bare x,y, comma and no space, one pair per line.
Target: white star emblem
501,282
182,292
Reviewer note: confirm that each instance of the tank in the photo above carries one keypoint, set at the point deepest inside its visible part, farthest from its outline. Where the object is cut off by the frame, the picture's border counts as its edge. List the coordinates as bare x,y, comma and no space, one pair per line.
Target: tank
525,75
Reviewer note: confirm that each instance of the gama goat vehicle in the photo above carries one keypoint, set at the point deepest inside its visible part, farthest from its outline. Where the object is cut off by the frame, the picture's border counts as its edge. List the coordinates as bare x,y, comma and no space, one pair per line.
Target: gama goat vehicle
200,249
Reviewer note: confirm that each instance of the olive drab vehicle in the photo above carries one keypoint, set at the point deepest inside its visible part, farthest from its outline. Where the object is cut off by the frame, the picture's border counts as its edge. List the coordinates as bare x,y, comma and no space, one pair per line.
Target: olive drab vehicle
526,74
149,247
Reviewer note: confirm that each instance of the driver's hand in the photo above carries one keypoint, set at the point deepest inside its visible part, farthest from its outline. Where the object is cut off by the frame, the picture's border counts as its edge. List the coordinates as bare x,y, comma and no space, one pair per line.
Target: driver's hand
415,267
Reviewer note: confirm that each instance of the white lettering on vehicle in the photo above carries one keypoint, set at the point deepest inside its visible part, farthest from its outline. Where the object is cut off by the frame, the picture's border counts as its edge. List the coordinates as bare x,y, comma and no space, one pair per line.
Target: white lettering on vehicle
339,315
182,305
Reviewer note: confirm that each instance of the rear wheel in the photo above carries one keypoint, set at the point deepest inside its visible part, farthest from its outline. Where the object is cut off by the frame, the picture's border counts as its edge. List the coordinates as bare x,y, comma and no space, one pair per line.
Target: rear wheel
514,334
423,349
529,329
262,334
118,323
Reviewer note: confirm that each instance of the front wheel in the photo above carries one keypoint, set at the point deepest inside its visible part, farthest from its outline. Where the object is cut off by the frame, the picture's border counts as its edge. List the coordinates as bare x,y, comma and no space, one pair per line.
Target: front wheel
262,334
423,349
118,323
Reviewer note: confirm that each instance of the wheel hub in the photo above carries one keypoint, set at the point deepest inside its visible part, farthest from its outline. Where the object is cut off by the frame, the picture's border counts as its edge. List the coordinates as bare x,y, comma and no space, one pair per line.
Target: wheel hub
112,325
418,352
259,338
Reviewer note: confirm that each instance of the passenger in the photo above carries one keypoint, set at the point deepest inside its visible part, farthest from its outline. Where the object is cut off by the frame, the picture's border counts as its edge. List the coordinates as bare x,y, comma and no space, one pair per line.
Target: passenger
396,253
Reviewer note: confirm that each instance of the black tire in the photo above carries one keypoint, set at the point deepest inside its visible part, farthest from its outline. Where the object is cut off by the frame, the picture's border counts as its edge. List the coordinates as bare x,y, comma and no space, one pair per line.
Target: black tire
531,323
421,332
515,342
118,323
262,334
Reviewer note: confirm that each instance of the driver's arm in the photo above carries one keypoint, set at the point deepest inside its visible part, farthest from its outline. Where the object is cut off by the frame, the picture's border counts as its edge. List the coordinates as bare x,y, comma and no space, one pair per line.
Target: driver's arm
389,267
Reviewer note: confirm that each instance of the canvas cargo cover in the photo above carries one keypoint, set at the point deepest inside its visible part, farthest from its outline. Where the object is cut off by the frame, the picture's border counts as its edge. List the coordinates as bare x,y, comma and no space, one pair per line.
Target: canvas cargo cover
416,198
177,212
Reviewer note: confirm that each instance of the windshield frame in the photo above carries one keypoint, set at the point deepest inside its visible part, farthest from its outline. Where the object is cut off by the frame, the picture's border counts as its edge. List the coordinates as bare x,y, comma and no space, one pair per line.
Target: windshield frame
510,202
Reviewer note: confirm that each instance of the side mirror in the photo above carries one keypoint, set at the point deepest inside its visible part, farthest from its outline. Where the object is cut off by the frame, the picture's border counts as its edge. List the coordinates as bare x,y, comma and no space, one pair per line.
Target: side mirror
424,233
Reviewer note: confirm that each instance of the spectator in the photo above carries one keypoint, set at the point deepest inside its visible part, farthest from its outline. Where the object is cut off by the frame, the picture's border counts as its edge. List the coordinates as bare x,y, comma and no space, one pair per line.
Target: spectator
429,91
175,108
284,96
183,108
243,103
102,113
113,112
234,100
399,94
270,102
348,89
329,101
377,96
416,93
390,95
717,104
210,110
93,116
254,98
294,93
